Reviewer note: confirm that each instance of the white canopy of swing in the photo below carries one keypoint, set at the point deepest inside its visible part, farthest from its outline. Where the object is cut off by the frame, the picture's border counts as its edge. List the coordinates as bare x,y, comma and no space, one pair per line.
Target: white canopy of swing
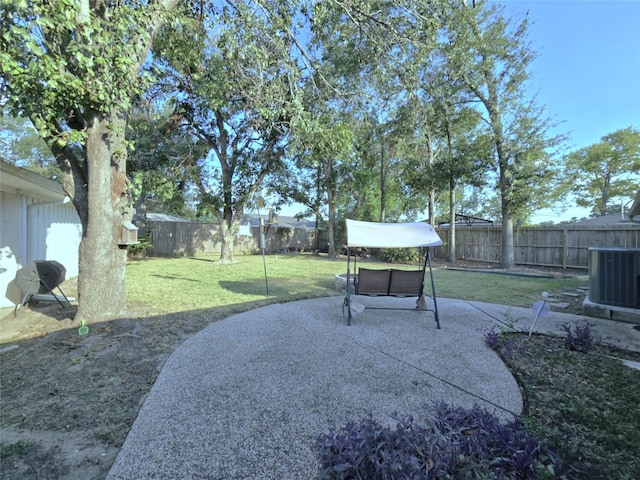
391,235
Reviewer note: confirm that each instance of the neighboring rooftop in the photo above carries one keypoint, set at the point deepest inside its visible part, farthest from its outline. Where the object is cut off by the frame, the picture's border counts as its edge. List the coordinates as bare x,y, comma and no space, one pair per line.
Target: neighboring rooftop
254,220
17,180
468,221
634,211
163,217
282,221
610,220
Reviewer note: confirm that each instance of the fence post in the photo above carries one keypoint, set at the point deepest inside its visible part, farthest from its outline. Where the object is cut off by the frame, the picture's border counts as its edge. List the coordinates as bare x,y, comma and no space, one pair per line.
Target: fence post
565,247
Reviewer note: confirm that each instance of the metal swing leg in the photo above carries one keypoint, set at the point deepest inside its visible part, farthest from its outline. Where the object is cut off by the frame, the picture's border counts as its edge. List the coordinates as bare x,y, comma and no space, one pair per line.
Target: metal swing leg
433,289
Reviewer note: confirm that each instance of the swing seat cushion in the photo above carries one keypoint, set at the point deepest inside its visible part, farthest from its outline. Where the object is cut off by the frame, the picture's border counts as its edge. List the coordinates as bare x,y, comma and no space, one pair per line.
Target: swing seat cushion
406,283
391,282
373,282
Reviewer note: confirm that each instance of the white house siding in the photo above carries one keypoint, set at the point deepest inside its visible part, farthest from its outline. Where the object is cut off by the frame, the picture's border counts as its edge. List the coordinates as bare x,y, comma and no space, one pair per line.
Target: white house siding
35,230
13,242
54,234
13,225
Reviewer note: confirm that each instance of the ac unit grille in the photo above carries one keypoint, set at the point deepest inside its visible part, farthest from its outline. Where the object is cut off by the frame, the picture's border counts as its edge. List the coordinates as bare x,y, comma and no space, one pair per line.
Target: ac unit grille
614,277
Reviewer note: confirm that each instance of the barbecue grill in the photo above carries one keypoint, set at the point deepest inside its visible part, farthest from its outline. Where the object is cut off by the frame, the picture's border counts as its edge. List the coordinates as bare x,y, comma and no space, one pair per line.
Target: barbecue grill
40,276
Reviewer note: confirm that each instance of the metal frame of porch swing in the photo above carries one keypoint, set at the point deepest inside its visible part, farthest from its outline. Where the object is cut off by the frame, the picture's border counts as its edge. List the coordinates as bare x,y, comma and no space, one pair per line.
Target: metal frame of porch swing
427,260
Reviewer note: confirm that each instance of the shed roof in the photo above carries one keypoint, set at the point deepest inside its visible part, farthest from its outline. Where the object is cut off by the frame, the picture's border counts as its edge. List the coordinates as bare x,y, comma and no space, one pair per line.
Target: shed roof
283,221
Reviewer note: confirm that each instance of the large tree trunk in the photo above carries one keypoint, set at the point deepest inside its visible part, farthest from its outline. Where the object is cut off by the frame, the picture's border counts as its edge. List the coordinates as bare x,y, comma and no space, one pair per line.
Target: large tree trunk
452,202
226,251
102,262
505,185
327,167
507,260
95,179
431,194
228,229
331,223
383,188
452,223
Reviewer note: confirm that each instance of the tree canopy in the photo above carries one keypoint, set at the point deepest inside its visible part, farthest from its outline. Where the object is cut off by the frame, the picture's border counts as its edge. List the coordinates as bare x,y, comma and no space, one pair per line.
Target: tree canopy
606,172
73,68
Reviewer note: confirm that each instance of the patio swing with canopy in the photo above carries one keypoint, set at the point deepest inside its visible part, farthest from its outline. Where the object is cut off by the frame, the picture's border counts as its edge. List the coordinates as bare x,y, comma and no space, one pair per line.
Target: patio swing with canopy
390,282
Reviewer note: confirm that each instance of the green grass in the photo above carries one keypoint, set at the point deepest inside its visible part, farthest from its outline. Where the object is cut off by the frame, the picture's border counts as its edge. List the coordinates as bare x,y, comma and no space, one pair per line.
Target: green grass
583,406
498,288
193,283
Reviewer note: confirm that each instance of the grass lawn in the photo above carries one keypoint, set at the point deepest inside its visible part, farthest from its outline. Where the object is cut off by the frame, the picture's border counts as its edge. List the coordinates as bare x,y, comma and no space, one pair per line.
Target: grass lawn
193,283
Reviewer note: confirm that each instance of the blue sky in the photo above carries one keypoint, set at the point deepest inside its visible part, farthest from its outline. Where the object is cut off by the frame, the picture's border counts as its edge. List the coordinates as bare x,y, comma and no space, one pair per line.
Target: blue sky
587,72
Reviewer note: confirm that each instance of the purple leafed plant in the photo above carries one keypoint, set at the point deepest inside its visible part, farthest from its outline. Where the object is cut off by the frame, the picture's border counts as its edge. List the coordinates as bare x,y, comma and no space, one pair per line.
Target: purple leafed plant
492,339
452,443
578,336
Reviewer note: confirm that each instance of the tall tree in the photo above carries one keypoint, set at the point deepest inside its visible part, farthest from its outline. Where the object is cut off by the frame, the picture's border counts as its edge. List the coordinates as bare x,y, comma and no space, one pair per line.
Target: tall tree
463,162
163,162
489,56
233,78
72,67
606,170
420,147
324,151
363,51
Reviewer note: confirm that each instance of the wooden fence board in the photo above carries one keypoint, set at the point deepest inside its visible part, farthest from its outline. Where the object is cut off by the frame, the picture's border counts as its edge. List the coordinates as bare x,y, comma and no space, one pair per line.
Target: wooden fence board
566,247
185,238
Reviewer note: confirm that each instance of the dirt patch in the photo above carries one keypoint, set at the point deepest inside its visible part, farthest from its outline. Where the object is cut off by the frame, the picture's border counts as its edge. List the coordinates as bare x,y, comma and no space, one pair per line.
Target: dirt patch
69,400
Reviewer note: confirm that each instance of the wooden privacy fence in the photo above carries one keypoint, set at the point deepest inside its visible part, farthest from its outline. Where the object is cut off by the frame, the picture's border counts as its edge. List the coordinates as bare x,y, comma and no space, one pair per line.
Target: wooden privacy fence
184,238
565,247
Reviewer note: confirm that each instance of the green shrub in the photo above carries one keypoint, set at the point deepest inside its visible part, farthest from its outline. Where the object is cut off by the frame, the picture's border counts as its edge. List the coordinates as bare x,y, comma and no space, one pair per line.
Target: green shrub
400,255
140,249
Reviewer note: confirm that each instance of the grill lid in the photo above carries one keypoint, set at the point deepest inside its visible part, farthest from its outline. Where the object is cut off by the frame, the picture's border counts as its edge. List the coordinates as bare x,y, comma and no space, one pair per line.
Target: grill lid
40,276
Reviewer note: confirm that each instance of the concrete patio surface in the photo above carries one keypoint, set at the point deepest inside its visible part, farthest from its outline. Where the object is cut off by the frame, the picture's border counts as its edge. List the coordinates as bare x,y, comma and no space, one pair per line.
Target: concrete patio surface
246,397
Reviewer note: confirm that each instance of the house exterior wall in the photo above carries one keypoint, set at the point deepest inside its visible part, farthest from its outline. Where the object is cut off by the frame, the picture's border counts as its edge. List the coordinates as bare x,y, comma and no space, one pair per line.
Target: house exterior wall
13,245
54,234
13,224
30,230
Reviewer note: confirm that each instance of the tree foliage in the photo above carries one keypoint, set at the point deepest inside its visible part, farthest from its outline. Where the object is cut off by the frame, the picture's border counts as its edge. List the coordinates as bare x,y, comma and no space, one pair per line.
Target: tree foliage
359,50
162,163
606,171
446,80
489,56
378,107
21,145
72,67
232,80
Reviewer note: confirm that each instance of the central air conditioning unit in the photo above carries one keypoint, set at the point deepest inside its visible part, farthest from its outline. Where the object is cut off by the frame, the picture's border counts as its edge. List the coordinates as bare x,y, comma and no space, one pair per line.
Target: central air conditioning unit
614,276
